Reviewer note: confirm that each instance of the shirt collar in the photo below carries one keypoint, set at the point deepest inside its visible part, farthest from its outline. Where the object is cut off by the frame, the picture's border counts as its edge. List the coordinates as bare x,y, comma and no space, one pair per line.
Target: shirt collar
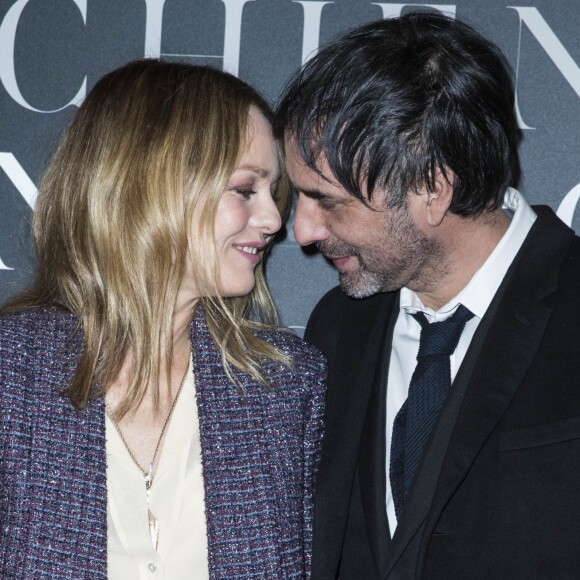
481,289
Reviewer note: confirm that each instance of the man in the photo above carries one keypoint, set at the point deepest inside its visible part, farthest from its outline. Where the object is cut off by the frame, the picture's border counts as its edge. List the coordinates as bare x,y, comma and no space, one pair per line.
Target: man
401,141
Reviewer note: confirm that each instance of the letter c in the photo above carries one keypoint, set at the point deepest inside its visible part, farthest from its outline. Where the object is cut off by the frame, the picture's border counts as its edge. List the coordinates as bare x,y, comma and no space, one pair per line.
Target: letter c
7,65
568,205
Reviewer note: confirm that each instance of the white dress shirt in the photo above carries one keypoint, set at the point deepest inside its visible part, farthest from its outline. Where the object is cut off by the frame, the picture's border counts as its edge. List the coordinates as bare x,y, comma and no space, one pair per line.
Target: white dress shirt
476,296
176,499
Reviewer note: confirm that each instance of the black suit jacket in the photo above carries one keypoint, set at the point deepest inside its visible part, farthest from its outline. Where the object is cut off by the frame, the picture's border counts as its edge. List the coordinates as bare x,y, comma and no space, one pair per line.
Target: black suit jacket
497,494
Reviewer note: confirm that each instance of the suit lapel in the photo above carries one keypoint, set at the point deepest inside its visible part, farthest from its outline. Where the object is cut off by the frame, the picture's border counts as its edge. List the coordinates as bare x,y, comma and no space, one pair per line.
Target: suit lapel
372,453
517,321
420,498
354,369
497,360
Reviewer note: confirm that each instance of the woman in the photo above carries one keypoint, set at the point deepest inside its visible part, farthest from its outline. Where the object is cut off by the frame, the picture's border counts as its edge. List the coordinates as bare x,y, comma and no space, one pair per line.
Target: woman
132,361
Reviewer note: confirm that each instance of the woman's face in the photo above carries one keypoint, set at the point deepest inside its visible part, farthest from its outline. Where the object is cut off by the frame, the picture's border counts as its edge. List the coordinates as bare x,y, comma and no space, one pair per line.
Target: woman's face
246,213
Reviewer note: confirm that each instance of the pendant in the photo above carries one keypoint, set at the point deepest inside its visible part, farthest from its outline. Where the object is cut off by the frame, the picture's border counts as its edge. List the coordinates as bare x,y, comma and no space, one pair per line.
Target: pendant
153,523
149,477
153,529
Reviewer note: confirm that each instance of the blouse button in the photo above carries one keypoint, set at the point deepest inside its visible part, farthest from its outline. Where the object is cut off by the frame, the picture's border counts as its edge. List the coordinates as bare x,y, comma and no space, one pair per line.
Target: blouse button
152,567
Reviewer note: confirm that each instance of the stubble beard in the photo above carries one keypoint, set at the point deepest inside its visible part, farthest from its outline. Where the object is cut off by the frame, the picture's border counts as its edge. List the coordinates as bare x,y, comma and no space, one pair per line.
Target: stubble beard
416,262
362,283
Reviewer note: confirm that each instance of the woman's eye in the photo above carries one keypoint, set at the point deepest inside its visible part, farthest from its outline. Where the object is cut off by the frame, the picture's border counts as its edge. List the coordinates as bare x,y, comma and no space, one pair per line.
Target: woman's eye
245,193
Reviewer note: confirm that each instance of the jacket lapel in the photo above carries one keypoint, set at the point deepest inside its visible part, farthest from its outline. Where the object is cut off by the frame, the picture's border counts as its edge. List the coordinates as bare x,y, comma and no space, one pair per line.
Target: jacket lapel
420,498
239,495
497,360
361,336
518,320
372,454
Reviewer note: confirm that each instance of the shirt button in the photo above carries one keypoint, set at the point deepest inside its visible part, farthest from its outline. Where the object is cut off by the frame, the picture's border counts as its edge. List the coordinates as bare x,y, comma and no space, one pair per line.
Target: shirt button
152,567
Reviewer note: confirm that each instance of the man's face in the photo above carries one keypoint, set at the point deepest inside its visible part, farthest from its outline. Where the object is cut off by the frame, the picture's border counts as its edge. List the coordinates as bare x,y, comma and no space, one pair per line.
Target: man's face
375,248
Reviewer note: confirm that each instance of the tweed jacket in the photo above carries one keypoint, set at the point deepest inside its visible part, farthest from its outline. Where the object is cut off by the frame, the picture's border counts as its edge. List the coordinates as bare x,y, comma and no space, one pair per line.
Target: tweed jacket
259,452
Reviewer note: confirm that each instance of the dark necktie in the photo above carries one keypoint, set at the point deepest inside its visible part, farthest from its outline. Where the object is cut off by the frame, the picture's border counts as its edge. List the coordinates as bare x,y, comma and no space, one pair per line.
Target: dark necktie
427,391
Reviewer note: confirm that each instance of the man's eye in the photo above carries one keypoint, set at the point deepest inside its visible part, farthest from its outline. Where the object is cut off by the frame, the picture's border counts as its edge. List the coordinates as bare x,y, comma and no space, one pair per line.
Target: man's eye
326,203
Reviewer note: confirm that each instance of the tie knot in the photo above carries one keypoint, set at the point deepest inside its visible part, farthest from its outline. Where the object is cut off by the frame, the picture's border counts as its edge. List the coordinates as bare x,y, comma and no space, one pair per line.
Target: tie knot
441,338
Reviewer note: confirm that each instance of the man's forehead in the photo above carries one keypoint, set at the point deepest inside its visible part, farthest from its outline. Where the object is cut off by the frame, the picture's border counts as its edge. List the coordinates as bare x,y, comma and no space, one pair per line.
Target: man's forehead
321,178
299,169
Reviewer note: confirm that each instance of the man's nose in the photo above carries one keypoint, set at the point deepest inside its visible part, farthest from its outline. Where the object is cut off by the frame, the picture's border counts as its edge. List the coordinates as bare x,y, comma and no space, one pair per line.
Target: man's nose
309,222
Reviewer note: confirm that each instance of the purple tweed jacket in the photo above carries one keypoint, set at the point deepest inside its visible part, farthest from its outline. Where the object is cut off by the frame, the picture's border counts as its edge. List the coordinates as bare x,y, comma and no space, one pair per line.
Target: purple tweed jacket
260,454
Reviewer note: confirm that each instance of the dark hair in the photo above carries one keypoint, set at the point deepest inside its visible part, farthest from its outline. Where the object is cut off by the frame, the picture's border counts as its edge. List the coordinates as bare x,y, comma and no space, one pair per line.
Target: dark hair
389,103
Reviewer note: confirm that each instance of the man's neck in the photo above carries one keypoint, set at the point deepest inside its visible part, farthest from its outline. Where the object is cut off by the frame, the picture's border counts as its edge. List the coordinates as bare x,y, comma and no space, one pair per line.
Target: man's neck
468,244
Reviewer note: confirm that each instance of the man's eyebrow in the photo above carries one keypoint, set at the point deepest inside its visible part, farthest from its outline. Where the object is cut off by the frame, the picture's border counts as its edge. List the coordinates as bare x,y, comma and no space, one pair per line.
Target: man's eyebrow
312,193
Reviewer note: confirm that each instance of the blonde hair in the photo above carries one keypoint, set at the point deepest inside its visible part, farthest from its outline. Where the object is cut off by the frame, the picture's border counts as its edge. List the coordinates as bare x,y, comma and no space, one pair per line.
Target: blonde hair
151,142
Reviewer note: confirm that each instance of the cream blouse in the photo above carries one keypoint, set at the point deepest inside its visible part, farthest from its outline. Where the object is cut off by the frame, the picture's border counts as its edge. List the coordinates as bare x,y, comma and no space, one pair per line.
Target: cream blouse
176,498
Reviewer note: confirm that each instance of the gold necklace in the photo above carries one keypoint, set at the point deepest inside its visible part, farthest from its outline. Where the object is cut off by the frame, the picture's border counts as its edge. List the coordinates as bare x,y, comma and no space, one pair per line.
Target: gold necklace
148,475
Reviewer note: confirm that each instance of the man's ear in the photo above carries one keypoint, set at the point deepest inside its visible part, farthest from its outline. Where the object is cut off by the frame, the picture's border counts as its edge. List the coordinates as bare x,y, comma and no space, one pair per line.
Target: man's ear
439,199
